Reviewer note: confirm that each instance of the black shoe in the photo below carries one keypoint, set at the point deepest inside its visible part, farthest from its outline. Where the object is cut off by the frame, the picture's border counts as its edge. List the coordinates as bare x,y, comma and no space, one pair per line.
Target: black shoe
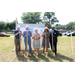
55,54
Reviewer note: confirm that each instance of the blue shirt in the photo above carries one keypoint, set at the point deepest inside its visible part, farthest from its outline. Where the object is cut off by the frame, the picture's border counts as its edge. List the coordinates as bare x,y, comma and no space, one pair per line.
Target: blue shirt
17,36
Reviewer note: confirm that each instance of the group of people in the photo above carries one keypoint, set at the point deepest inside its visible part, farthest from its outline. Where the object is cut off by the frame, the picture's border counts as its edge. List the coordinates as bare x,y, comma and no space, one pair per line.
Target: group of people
47,36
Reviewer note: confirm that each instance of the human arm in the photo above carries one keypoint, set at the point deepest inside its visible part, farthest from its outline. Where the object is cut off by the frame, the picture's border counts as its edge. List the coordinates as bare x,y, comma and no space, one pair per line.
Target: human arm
15,34
33,36
30,33
43,34
48,36
24,34
20,33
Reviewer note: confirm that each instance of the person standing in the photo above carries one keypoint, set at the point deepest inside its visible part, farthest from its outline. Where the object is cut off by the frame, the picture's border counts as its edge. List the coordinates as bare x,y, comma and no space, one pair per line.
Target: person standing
27,39
36,40
54,34
45,41
18,34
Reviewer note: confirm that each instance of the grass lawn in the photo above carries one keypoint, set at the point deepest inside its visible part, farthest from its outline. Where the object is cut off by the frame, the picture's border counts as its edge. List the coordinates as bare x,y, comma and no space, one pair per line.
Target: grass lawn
64,51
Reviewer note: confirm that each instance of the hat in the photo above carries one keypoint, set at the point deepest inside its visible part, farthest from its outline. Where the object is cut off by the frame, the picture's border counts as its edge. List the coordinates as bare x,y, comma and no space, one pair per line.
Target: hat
26,26
18,26
45,28
35,28
53,25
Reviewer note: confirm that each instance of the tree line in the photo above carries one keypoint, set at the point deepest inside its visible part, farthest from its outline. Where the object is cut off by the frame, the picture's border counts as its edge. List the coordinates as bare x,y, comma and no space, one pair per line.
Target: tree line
69,26
5,26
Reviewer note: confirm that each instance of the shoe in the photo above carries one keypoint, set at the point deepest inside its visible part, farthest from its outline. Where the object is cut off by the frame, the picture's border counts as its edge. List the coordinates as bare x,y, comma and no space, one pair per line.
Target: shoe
30,54
25,56
55,54
16,53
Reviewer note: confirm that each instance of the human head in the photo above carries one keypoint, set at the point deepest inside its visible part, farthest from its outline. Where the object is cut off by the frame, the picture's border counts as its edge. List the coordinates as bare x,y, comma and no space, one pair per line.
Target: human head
36,30
18,27
46,29
27,27
53,27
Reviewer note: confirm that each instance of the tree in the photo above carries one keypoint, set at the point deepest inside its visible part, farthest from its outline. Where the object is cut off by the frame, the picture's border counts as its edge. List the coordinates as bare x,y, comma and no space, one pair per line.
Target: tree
12,25
6,26
31,17
73,27
69,25
2,25
50,18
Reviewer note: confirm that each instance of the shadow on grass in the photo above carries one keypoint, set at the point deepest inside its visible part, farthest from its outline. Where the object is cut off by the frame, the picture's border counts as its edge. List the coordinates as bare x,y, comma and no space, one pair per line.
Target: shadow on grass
60,57
42,58
33,58
22,58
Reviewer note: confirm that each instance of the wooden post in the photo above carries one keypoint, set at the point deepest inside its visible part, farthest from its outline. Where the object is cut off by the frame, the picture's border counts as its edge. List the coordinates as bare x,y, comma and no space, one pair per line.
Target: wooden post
16,20
72,47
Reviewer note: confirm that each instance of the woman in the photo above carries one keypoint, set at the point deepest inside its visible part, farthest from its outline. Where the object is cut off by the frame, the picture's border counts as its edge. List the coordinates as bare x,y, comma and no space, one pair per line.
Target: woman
45,41
36,40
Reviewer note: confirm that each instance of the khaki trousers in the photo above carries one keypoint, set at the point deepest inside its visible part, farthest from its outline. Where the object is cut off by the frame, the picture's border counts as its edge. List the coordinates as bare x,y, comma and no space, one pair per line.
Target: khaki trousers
17,44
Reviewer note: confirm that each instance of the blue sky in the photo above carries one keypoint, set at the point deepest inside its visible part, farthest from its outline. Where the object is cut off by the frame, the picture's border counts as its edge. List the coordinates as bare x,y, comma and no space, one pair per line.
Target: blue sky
63,17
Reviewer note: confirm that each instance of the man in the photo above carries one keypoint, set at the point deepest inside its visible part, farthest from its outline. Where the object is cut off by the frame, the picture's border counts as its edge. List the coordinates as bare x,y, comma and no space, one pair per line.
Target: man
27,39
17,34
54,34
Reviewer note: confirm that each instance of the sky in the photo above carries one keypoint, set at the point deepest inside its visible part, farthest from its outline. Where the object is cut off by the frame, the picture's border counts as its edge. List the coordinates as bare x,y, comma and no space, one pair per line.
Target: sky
63,19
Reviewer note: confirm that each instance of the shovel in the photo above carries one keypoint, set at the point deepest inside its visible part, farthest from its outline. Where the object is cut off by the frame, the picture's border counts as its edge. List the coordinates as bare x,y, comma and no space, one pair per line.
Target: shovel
72,47
52,53
45,53
27,51
20,52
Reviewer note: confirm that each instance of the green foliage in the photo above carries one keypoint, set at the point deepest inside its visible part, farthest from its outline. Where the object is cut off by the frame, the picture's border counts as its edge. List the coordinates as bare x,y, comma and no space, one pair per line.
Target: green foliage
2,25
7,26
58,26
73,27
50,18
12,25
31,17
69,26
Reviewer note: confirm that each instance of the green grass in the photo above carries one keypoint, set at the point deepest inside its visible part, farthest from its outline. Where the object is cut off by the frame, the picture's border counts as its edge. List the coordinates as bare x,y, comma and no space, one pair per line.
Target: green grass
64,51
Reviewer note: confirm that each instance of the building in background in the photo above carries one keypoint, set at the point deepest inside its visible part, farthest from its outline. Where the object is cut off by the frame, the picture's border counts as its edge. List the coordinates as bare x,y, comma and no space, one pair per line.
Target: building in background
31,27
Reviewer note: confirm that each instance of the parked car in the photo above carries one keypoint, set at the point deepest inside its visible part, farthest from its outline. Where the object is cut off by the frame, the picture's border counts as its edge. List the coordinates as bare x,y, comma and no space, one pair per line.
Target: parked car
66,33
4,35
73,34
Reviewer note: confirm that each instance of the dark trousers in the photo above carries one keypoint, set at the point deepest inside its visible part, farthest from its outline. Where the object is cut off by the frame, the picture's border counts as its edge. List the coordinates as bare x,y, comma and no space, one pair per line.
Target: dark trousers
17,44
55,47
